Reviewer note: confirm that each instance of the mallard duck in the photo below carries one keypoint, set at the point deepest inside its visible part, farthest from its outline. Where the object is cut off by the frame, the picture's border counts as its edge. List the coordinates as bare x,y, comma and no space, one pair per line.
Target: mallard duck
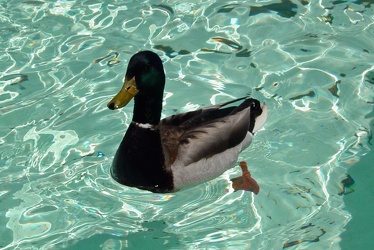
182,150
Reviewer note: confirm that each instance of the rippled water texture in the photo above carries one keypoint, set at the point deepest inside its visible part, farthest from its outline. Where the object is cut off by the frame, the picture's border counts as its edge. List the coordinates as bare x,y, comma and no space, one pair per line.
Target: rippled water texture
62,61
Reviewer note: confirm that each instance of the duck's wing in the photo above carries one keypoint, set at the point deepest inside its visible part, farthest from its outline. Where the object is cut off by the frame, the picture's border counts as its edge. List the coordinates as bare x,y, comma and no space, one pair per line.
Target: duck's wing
192,136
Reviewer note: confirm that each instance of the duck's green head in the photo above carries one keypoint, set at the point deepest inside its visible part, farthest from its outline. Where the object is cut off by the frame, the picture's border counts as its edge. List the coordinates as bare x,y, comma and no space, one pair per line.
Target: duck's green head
145,80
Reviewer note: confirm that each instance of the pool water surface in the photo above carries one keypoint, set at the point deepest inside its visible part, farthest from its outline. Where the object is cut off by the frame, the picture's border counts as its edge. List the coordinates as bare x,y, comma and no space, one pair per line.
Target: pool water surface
61,61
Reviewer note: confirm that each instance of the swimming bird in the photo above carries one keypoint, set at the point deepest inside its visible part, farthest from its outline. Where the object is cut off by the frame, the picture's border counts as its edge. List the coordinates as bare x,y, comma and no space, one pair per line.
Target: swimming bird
185,149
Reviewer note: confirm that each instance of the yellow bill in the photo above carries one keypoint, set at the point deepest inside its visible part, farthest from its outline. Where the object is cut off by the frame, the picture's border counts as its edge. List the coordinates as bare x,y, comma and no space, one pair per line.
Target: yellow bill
125,95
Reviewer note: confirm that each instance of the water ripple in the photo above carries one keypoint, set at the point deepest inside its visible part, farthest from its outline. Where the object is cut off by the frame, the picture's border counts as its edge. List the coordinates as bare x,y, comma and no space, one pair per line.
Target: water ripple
61,61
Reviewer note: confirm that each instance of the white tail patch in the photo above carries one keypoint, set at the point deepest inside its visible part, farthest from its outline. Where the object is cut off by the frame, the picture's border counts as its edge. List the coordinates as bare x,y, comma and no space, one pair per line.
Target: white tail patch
260,120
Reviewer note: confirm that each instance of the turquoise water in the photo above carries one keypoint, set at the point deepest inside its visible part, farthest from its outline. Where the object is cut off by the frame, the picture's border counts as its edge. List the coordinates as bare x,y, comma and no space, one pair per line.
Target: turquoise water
360,205
62,61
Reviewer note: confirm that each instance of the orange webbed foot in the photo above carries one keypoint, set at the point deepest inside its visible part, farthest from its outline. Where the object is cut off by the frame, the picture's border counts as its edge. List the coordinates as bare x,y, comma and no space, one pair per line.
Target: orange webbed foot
245,182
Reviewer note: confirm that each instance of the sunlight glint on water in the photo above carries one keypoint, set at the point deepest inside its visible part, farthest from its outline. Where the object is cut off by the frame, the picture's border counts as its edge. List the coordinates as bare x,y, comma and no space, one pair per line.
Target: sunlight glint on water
61,62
